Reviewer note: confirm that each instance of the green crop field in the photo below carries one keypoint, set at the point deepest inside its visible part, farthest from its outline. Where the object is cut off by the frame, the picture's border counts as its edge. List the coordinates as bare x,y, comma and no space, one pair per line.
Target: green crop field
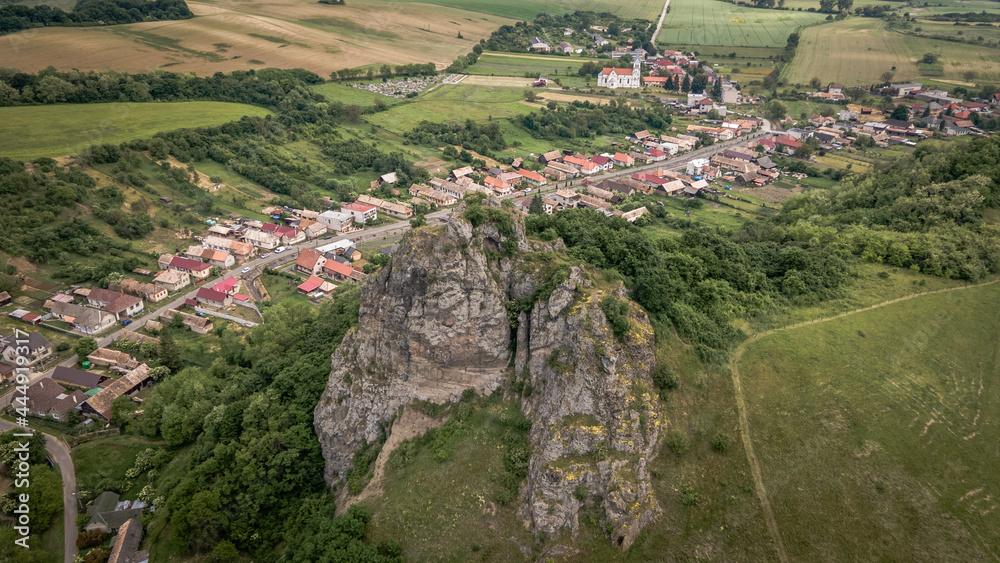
346,94
500,65
453,103
37,131
712,22
877,432
859,50
527,9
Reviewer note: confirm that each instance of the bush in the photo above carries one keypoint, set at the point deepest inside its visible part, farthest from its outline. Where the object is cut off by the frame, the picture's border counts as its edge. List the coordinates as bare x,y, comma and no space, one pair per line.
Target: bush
677,441
689,497
62,346
664,377
617,314
720,442
90,539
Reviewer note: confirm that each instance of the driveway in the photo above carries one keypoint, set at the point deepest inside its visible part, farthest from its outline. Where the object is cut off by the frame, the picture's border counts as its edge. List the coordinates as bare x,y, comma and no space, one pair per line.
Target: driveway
59,453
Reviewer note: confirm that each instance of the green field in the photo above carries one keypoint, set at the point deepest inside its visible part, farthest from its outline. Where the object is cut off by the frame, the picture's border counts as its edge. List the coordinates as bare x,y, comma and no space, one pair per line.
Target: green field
712,22
349,95
527,9
452,102
36,131
877,432
859,50
497,64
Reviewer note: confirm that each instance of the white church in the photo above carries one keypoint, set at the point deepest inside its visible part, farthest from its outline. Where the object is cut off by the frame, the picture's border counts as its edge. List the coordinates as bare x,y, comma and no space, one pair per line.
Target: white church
621,77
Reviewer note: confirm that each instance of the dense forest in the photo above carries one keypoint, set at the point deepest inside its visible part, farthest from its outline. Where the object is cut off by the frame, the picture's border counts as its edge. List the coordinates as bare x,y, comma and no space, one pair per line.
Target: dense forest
17,17
252,475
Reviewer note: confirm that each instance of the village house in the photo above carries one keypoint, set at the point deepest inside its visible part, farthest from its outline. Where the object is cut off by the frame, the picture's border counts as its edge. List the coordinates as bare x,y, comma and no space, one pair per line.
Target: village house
601,193
565,198
316,286
151,291
201,325
84,319
240,250
5,298
451,188
118,304
434,196
172,280
213,298
337,270
498,186
76,377
262,239
109,357
585,201
622,159
110,515
310,262
336,221
553,169
313,228
125,546
566,47
533,178
361,212
48,399
100,404
537,44
38,348
194,268
549,157
461,172
286,235
603,162
391,209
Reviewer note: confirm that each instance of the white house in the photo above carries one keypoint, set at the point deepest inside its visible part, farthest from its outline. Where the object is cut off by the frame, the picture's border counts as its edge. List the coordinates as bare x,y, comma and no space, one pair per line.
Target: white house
335,220
620,77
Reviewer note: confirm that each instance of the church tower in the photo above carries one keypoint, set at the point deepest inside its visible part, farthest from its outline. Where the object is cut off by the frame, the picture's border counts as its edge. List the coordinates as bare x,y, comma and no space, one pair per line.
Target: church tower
636,79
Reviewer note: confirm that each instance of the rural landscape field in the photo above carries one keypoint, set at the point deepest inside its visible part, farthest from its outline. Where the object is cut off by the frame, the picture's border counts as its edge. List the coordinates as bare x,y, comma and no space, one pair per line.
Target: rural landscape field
301,281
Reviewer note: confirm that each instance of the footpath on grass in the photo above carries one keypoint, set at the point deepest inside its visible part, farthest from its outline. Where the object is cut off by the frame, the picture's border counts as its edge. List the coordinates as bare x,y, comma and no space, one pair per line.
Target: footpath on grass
765,503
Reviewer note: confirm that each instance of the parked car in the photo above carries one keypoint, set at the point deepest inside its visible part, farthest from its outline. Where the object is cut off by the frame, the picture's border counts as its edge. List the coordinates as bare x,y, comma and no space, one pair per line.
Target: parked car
279,250
199,314
265,255
527,190
245,269
126,322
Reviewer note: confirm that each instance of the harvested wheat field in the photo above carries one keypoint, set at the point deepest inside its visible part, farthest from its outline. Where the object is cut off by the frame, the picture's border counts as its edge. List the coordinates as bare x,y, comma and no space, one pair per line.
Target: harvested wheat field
506,81
225,36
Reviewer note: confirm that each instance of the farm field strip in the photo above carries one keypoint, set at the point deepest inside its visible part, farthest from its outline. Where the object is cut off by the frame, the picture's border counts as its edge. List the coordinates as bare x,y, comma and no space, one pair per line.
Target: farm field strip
527,9
34,131
712,22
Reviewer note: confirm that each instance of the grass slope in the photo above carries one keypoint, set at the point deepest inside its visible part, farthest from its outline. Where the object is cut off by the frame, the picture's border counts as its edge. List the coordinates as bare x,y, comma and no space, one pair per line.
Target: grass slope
35,131
712,22
875,431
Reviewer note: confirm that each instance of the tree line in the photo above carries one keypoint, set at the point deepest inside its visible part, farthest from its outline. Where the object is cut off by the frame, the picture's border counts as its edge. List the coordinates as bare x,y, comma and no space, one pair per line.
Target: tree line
581,119
17,17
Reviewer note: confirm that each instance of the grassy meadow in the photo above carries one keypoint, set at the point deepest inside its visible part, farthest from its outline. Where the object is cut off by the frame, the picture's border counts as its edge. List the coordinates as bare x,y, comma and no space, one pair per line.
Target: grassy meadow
36,131
712,22
859,50
875,431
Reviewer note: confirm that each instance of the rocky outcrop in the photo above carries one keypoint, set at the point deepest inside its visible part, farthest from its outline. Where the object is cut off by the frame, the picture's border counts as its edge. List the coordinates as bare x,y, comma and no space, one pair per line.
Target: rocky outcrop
437,321
596,419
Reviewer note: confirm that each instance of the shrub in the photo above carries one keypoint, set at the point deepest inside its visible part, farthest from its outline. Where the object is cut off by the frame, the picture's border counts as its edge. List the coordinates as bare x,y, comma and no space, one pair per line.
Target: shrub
62,346
689,497
720,442
617,314
677,441
664,377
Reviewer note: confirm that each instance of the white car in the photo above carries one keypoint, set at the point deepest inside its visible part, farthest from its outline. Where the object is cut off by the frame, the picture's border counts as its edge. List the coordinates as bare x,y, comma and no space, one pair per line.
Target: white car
527,190
245,269
279,249
265,255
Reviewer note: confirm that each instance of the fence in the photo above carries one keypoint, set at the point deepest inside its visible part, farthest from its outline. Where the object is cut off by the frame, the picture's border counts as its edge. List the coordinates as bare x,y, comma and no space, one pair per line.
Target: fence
74,441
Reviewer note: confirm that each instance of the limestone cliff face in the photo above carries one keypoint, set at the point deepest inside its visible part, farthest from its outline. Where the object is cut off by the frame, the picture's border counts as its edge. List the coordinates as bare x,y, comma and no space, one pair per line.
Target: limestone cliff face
435,323
596,419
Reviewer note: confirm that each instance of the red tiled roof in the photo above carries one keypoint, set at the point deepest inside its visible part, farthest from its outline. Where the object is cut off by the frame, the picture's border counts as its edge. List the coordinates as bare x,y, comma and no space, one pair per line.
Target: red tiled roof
338,268
307,258
211,295
532,175
188,264
226,285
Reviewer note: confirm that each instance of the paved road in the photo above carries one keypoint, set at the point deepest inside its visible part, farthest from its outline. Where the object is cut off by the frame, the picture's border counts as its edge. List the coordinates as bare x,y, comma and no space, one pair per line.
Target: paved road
59,453
659,24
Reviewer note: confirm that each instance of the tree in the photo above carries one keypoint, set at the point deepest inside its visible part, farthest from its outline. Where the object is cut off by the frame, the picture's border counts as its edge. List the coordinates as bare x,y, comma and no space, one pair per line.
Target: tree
159,373
699,83
844,5
418,221
902,113
717,89
170,355
530,95
886,77
826,6
84,347
815,83
929,59
536,207
352,112
686,85
775,110
121,411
